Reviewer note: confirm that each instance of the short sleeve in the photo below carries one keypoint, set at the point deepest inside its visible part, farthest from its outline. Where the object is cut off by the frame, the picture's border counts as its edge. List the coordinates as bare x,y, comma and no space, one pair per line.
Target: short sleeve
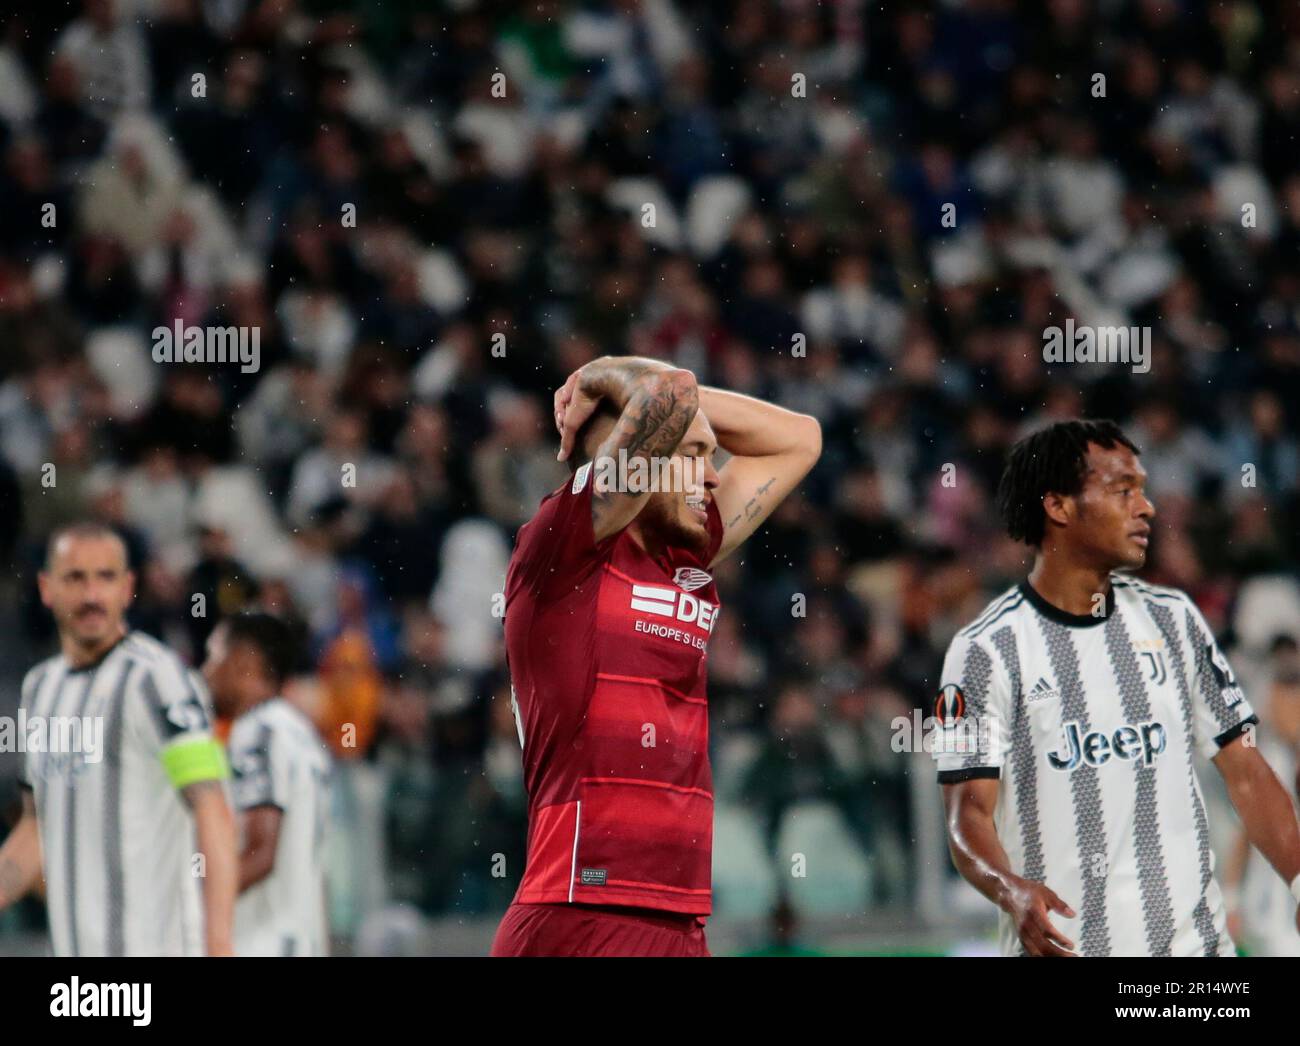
31,686
259,767
558,545
1220,711
966,726
178,725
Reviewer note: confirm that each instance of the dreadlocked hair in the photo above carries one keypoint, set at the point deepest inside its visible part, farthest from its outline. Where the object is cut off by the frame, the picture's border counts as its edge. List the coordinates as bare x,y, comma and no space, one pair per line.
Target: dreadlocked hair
1050,461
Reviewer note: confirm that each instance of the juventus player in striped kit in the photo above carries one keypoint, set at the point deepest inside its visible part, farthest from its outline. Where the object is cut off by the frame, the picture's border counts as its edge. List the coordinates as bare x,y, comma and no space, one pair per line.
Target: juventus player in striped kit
117,836
281,773
1093,690
609,608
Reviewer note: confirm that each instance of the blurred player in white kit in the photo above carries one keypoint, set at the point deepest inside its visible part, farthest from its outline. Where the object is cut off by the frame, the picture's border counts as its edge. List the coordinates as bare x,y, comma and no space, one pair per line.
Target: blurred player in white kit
281,771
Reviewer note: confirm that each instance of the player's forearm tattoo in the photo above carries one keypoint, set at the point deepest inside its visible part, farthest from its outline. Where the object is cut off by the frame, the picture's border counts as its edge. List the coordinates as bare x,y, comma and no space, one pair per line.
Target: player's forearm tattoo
618,378
658,420
754,507
657,415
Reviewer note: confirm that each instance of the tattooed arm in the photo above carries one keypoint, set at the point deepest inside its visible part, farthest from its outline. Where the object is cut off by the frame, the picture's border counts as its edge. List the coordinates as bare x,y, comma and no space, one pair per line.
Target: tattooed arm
771,449
20,857
658,403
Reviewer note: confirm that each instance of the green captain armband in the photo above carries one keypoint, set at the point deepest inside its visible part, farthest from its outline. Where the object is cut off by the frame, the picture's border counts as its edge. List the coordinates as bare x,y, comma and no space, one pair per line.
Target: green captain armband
202,759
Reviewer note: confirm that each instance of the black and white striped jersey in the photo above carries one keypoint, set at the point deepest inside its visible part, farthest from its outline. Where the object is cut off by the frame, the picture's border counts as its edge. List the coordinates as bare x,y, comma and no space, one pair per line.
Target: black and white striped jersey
122,874
278,759
1090,723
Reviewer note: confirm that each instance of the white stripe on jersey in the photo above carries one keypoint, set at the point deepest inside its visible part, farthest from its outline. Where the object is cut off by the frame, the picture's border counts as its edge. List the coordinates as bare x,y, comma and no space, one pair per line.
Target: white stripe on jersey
1094,721
116,837
278,758
994,610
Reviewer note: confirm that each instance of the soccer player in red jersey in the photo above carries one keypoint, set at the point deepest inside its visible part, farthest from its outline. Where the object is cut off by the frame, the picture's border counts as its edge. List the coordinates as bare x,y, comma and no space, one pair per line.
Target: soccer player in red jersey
609,608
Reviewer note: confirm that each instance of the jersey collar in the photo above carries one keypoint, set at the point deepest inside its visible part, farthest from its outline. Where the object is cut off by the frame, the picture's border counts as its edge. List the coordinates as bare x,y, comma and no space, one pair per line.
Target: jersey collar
1062,617
92,665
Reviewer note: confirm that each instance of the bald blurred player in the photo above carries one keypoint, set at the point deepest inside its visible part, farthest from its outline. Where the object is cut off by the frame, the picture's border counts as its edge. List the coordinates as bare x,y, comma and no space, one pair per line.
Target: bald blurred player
281,788
1077,795
609,609
117,832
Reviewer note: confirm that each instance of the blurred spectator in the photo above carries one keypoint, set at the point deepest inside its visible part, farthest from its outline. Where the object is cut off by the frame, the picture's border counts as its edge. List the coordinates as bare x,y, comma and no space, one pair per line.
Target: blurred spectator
108,52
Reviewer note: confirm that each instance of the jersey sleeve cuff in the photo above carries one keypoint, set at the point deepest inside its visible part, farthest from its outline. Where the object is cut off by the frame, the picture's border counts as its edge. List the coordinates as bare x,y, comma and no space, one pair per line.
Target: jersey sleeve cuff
1234,732
260,804
969,773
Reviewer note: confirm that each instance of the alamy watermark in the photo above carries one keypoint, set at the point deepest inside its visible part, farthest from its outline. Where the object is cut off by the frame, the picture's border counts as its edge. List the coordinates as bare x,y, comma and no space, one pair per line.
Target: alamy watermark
1084,344
53,735
636,474
181,343
73,998
939,736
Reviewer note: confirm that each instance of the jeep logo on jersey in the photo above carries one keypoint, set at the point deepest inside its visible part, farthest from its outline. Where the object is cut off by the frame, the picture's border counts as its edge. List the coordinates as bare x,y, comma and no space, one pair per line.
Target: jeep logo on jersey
668,602
1142,742
690,579
949,704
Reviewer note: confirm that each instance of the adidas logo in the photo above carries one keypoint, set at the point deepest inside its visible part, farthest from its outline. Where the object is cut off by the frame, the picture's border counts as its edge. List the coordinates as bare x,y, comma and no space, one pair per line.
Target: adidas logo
1041,691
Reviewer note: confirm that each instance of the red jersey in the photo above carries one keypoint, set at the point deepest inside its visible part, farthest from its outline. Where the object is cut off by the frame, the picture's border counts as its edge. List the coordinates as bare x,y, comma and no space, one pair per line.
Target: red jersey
607,652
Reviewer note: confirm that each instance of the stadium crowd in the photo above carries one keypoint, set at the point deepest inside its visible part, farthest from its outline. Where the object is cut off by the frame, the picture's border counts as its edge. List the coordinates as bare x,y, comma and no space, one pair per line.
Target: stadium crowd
433,212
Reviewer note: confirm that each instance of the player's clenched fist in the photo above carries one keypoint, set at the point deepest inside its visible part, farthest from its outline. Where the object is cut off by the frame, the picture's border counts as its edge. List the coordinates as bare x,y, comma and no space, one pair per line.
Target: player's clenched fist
1028,903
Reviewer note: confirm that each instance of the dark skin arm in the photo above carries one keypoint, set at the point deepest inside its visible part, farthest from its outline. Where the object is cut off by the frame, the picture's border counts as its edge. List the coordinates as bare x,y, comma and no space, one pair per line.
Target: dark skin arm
261,838
978,854
1263,805
658,403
